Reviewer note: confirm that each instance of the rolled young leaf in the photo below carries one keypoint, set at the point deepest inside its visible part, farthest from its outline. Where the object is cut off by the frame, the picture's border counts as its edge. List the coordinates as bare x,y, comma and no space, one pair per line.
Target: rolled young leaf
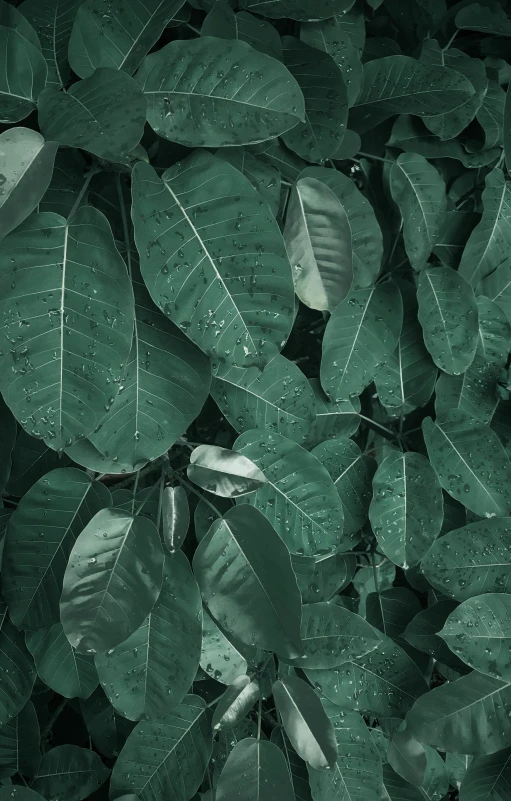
175,517
234,704
224,472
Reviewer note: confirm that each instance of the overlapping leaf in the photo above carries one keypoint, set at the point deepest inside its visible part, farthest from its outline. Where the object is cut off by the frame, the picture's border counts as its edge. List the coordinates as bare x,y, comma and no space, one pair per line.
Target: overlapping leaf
53,21
22,75
66,671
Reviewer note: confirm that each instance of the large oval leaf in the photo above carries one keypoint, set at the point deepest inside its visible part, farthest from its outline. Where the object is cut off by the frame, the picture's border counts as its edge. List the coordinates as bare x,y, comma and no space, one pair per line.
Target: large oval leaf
265,774
73,343
22,76
150,672
224,472
234,704
18,674
198,93
38,544
236,307
112,580
299,498
69,772
66,671
245,575
53,21
20,743
165,757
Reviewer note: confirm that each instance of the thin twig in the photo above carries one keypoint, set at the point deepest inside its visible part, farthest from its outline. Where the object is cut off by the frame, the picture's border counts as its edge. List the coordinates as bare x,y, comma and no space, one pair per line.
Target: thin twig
375,158
88,179
46,732
198,494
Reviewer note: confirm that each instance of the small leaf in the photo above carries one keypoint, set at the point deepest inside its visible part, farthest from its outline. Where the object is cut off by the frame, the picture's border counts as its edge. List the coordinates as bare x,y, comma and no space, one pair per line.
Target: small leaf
19,744
175,517
234,704
407,757
265,774
67,672
22,76
224,472
69,772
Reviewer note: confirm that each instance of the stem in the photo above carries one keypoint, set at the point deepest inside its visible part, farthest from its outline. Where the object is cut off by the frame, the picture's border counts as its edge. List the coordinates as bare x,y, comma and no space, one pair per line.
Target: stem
186,484
394,245
378,425
195,30
149,495
215,700
451,40
23,779
83,190
134,492
124,222
259,716
46,733
376,158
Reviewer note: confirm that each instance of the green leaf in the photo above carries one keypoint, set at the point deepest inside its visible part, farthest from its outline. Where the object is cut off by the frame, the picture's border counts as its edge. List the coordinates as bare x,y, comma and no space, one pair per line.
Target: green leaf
13,18
69,772
119,36
297,767
263,176
489,18
66,183
244,294
497,287
23,75
227,111
53,21
391,610
234,704
488,244
175,517
104,114
165,757
448,316
406,511
298,9
454,233
143,677
276,154
319,578
26,165
368,574
332,419
107,729
222,22
326,102
331,37
38,545
490,115
419,191
257,599
279,397
470,462
220,658
264,770
488,778
18,793
17,674
224,472
67,672
305,722
332,636
361,333
407,757
60,390
397,789
299,498
422,632
19,744
457,716
400,84
478,631
112,580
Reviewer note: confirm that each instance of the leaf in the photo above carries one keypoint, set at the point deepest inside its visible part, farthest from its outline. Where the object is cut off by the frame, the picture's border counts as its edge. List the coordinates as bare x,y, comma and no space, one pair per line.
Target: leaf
331,36
332,636
497,287
276,154
23,76
362,331
118,37
488,244
454,233
397,789
478,632
65,185
149,674
406,511
26,165
470,462
19,744
263,176
487,777
264,771
240,290
400,84
60,389
297,767
111,582
332,419
278,397
108,730
320,578
326,102
490,115
17,675
13,18
104,114
234,704
265,105
299,498
448,316
175,517
456,716
165,756
67,672
419,191
305,722
53,21
222,22
391,610
18,793
298,9
489,18
224,472
69,772
38,545
422,632
257,599
407,757
220,658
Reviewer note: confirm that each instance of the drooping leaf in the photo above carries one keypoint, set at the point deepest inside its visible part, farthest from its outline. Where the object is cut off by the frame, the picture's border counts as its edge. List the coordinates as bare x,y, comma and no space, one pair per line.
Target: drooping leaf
330,35
238,304
22,75
20,743
223,23
175,517
257,598
488,778
224,472
265,774
69,772
112,580
234,704
53,21
18,673
66,671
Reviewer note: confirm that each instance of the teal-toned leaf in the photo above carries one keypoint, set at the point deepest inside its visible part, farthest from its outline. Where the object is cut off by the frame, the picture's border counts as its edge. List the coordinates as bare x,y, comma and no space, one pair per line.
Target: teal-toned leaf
26,165
497,287
470,462
111,582
400,84
407,757
220,658
117,37
361,333
279,398
488,18
22,77
454,233
13,18
448,316
488,778
264,770
276,154
331,36
166,756
406,511
383,572
204,515
490,115
66,183
332,419
391,610
234,704
103,114
175,517
69,772
263,176
319,578
422,632
397,789
266,105
19,744
60,390
224,472
150,673
257,599
436,777
299,499
84,453
53,21
18,673
297,767
8,431
66,671
19,793
298,9
107,729
238,304
223,23
419,191
38,543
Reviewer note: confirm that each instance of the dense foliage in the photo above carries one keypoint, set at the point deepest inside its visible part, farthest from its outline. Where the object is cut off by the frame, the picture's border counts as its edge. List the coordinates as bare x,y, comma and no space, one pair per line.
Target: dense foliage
255,463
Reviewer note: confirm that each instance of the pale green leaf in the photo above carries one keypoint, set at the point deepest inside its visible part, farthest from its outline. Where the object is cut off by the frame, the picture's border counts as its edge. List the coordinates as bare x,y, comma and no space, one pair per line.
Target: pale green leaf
224,472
